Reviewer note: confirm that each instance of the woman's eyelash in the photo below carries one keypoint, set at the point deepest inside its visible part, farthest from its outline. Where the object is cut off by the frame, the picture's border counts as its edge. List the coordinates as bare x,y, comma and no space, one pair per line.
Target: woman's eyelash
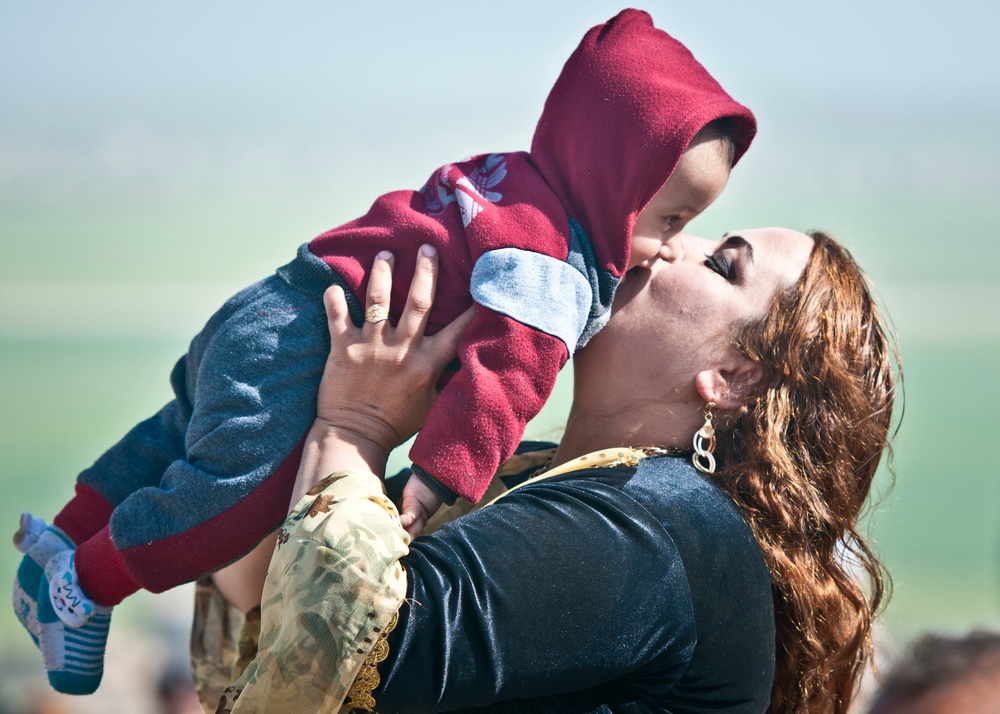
719,264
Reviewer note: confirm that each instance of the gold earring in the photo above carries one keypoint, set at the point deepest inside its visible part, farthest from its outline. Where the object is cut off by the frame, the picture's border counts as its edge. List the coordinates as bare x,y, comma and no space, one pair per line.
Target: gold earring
704,444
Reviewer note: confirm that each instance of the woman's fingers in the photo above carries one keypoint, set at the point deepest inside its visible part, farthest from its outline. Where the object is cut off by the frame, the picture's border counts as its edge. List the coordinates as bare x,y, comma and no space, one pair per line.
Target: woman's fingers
338,317
441,347
379,381
413,321
379,289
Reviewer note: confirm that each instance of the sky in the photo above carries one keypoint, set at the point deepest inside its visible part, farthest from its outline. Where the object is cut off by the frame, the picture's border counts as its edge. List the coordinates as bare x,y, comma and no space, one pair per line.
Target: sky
138,55
108,90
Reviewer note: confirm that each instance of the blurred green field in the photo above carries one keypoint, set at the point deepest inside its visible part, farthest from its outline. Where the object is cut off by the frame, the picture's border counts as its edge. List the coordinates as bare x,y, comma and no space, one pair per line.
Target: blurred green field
937,527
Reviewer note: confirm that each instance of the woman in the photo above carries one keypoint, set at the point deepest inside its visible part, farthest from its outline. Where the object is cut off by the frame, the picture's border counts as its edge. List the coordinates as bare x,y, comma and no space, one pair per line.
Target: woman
642,584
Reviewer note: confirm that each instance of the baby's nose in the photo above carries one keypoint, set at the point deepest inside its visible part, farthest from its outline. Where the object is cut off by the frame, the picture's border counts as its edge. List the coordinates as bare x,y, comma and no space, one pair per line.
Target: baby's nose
673,249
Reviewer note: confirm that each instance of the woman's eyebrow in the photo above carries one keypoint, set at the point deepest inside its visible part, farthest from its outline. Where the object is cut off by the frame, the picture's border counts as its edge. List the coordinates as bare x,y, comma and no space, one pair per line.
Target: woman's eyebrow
739,242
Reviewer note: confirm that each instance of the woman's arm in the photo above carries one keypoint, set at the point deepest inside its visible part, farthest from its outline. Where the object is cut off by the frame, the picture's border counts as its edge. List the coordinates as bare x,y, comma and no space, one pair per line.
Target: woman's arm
334,579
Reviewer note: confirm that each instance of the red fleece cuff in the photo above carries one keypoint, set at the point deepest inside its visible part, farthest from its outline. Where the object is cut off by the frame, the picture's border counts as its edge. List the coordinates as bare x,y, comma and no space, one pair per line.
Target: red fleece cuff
439,489
86,514
102,571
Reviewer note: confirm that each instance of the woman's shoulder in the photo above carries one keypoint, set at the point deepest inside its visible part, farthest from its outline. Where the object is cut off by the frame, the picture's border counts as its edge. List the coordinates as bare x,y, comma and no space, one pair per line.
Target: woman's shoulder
700,519
668,487
728,582
697,515
686,498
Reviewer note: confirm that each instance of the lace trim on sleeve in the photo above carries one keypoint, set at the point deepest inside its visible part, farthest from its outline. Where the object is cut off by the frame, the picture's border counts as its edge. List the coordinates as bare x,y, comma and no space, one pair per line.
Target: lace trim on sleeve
359,696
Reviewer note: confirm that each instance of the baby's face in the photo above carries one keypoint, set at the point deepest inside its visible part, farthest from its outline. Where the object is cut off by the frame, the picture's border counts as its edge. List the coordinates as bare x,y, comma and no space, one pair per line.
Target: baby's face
699,178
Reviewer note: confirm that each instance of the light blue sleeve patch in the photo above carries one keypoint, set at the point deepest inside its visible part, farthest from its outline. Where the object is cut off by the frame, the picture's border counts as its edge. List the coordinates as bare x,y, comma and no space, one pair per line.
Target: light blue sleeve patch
542,292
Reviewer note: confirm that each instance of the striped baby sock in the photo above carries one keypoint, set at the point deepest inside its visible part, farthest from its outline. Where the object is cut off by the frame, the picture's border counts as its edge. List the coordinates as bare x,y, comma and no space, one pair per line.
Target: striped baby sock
72,629
39,543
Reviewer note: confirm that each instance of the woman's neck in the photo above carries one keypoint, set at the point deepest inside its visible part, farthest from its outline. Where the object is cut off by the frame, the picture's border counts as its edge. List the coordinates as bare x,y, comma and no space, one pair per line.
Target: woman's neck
638,404
604,424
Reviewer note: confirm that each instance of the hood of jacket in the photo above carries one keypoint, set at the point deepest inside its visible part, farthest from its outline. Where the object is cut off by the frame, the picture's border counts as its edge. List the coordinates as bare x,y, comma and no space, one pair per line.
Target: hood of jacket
624,108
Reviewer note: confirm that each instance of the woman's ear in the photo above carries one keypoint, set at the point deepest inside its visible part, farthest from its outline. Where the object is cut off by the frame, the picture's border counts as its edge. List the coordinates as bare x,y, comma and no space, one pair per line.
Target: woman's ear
729,385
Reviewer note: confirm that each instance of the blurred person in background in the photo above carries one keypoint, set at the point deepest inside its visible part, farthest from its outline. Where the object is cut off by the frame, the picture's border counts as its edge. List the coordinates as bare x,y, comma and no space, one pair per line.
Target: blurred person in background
944,674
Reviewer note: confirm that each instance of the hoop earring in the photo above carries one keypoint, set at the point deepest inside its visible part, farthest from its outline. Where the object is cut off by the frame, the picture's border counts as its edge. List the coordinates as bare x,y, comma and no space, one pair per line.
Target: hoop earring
704,444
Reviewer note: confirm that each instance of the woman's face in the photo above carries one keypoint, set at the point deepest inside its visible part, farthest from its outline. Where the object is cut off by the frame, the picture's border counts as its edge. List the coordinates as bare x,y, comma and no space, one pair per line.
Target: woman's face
679,314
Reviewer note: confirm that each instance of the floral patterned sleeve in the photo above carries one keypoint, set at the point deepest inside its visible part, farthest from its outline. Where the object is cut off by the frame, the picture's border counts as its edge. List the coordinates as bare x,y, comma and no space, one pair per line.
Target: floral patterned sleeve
333,586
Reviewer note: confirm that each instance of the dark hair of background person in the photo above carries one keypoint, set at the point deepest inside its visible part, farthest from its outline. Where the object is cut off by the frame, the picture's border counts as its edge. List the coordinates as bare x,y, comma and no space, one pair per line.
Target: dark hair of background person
944,674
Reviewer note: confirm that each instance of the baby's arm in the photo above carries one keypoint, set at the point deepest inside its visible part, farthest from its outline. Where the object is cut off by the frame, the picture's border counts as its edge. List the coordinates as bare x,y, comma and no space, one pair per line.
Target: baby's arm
531,310
419,504
508,371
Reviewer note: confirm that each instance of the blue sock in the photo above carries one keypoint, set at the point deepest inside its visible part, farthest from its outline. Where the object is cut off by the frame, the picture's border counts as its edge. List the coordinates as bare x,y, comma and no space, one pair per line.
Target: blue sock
72,629
39,543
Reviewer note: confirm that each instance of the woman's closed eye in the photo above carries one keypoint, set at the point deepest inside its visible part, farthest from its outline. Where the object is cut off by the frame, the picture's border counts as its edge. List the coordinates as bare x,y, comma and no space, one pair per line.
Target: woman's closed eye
720,263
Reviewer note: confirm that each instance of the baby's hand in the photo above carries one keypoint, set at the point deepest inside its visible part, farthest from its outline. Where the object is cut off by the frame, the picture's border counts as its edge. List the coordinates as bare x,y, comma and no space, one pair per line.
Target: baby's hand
419,504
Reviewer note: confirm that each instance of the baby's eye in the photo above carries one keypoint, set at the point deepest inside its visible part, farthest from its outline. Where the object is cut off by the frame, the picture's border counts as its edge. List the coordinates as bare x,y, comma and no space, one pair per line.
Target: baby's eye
720,264
671,221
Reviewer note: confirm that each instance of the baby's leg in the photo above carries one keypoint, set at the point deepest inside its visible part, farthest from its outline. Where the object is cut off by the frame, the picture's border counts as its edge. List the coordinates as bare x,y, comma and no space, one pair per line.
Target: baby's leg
137,461
72,629
250,379
73,656
39,543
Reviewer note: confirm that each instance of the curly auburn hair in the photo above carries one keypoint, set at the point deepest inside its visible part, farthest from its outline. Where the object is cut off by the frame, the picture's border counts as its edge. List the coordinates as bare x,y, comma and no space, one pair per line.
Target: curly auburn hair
802,456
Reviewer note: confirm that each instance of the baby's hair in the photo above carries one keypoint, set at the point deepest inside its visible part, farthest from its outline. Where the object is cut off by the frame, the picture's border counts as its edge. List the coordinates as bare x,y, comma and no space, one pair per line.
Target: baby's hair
720,130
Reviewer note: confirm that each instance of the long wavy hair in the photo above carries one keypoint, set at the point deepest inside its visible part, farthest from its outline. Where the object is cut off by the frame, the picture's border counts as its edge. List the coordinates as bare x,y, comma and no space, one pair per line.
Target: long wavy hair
801,459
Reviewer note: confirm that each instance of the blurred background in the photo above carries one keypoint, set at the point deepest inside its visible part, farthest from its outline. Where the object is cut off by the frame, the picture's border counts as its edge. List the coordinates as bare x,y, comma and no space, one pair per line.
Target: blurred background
156,157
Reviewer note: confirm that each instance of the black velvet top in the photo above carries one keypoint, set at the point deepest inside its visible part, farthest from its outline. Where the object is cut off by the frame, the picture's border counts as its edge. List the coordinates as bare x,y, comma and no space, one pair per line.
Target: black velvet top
624,589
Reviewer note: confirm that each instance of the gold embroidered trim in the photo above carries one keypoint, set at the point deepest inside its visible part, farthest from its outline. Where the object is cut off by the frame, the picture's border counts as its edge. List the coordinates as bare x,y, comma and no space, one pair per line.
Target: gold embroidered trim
607,458
359,696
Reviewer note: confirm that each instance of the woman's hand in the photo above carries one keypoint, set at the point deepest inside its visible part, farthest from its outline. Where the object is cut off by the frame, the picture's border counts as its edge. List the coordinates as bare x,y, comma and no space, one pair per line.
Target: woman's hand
379,380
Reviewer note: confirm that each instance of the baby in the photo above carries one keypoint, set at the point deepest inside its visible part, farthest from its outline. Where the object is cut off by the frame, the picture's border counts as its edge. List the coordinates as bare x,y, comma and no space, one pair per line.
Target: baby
635,139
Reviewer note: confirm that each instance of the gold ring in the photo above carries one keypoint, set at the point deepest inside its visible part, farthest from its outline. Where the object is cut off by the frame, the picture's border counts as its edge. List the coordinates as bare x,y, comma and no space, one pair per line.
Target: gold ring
376,314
